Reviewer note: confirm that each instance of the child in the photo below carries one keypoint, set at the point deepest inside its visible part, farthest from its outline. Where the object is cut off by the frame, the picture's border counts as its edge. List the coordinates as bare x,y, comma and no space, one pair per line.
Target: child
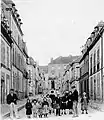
28,107
40,110
84,103
50,103
45,106
35,108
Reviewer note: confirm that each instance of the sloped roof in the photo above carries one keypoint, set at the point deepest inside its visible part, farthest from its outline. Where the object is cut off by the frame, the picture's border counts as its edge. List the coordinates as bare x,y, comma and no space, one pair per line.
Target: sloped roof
44,68
77,60
63,60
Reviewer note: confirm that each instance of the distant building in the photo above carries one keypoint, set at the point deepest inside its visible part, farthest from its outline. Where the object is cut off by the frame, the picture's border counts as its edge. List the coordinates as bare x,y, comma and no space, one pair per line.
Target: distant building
74,70
56,70
32,76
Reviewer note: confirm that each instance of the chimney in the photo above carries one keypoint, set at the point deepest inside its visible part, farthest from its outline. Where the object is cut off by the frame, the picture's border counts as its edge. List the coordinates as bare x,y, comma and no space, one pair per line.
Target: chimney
51,60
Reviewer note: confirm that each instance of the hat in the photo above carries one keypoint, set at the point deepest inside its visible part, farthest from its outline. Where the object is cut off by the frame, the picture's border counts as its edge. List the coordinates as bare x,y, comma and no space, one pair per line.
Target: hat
84,93
73,87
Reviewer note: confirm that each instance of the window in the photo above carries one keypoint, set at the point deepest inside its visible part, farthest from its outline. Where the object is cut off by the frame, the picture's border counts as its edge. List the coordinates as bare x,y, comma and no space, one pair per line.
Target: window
94,87
98,59
98,85
91,87
2,52
91,65
13,56
94,61
7,56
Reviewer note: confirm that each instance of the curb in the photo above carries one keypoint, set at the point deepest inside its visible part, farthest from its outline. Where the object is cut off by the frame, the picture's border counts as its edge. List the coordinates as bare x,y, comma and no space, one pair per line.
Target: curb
96,107
8,114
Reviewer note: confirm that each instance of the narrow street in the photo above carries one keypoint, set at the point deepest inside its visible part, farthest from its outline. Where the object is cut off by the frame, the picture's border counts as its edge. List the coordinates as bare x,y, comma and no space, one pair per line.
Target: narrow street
93,115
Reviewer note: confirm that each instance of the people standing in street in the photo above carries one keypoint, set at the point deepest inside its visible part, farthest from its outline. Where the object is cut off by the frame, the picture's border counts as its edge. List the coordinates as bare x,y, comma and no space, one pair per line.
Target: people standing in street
35,108
12,102
28,107
50,103
63,104
75,101
45,107
70,103
52,96
84,103
58,103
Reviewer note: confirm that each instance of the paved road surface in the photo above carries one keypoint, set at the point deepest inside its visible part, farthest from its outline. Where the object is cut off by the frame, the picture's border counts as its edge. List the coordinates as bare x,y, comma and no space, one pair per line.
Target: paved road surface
93,115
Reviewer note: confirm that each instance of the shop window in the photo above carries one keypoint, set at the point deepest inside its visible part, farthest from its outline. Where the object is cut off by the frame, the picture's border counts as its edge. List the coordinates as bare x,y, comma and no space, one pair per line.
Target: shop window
91,87
98,60
91,65
2,52
94,61
98,85
94,87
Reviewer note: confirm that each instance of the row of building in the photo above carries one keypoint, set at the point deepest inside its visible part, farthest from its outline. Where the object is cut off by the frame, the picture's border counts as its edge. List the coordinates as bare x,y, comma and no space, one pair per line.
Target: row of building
17,69
87,71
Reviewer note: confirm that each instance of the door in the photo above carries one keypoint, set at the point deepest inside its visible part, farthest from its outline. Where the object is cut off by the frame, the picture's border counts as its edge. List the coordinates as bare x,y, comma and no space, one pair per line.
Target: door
2,91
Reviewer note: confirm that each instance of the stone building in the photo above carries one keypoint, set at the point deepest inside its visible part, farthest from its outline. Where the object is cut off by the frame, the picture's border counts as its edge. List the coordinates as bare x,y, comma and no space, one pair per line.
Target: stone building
75,73
96,63
84,72
56,69
5,58
16,55
32,76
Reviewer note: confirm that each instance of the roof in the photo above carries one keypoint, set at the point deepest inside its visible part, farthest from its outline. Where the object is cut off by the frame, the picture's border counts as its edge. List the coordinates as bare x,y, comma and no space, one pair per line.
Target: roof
77,60
63,60
44,68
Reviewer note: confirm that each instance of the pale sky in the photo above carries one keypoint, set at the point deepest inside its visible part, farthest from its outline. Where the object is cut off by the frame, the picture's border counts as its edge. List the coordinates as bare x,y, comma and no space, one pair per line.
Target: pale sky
55,28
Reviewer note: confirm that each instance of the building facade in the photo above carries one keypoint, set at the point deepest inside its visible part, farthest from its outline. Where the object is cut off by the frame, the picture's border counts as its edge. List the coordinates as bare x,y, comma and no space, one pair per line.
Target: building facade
96,64
5,58
56,70
84,74
75,73
14,57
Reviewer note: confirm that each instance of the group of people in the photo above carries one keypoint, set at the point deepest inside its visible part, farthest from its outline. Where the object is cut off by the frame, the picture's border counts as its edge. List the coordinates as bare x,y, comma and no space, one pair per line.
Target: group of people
50,103
57,104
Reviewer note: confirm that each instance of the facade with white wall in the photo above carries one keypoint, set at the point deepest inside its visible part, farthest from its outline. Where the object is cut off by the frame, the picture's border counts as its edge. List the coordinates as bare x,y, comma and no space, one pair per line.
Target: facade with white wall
96,65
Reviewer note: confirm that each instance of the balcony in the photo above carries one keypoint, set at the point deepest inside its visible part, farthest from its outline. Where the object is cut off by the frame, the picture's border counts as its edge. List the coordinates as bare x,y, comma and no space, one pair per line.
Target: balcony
5,30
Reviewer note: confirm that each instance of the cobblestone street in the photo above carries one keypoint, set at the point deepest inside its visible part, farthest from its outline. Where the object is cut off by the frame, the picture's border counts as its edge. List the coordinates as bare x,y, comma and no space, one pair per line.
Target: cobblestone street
93,115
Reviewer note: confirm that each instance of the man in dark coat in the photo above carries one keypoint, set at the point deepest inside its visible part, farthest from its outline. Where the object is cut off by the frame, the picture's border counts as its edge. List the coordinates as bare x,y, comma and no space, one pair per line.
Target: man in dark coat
75,101
70,103
58,103
63,103
12,102
52,96
28,107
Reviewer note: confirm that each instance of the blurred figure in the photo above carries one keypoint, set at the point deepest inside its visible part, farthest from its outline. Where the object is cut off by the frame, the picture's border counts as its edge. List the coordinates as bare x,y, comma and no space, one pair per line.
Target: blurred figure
63,104
45,106
75,101
28,107
58,104
40,109
35,108
84,103
70,103
12,102
52,96
50,103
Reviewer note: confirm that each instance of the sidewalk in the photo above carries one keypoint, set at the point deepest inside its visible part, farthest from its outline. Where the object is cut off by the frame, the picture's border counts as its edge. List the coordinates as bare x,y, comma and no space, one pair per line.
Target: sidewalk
5,108
97,106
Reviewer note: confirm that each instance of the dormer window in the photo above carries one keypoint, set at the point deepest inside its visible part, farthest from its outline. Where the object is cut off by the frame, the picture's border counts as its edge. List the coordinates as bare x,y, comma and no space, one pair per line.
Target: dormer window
92,34
96,29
